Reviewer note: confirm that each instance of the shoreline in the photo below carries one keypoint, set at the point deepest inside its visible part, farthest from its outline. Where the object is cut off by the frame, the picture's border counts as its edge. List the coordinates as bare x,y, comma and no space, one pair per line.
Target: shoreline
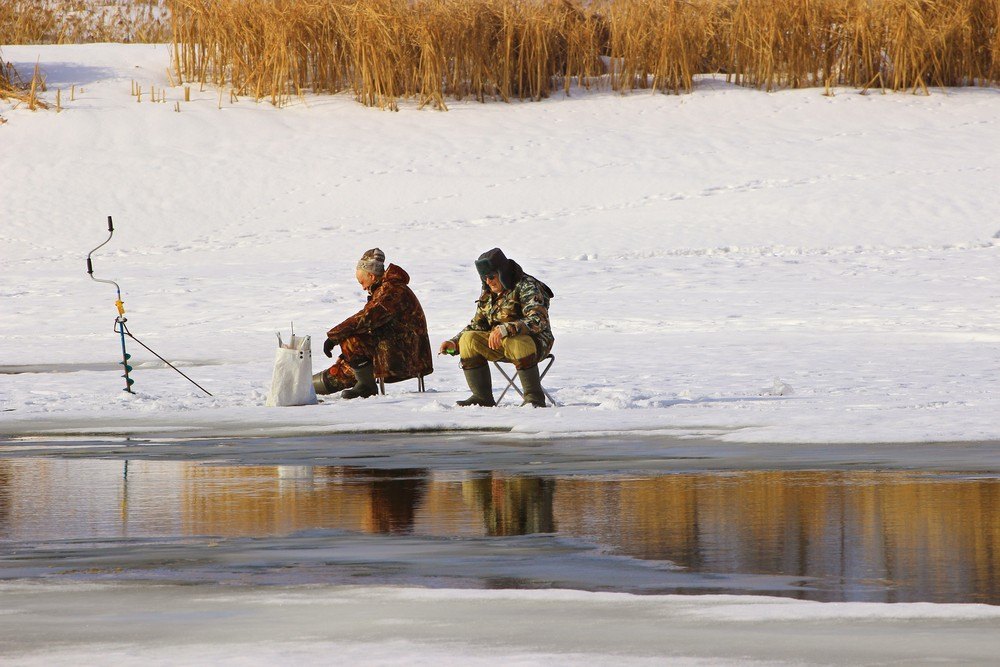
563,454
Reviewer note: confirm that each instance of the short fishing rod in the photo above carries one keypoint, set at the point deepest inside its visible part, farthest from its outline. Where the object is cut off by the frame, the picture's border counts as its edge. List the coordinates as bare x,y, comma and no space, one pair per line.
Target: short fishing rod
120,328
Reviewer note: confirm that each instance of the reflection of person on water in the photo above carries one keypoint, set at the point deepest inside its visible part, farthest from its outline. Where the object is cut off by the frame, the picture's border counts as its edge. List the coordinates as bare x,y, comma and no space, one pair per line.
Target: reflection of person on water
393,499
514,505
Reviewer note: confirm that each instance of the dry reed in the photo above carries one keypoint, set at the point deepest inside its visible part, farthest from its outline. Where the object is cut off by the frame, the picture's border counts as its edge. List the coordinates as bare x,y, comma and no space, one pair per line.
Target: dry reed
80,21
432,51
7,80
13,87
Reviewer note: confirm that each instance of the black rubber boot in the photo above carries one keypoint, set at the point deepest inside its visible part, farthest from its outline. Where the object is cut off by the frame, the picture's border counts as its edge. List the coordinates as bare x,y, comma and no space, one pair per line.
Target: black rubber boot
531,385
481,385
365,387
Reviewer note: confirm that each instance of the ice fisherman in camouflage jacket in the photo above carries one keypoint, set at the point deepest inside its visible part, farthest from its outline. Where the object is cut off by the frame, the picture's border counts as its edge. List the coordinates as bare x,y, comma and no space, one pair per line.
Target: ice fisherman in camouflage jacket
386,339
511,323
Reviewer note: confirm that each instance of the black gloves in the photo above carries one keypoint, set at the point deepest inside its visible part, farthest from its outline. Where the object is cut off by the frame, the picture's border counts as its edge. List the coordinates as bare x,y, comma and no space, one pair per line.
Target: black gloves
328,346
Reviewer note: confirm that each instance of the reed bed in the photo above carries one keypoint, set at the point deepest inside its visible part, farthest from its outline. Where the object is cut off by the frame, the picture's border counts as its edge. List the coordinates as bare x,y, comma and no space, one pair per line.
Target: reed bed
891,44
82,21
435,50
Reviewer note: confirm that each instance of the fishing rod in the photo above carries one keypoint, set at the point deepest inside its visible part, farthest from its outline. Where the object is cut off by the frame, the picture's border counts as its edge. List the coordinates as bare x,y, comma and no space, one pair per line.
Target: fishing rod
120,328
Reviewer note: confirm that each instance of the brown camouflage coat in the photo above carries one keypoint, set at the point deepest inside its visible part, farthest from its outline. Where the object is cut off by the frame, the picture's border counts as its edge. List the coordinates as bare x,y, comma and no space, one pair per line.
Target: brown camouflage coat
392,328
522,310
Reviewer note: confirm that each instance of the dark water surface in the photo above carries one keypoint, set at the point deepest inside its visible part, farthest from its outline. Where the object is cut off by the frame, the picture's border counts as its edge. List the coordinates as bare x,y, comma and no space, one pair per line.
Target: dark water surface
898,535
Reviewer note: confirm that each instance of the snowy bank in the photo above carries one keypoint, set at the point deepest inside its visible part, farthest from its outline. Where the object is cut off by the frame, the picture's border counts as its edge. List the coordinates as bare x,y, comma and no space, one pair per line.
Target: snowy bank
143,624
784,267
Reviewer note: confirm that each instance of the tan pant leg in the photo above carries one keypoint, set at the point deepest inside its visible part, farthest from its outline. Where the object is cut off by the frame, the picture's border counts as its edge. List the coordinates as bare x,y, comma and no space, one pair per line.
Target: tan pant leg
474,350
521,351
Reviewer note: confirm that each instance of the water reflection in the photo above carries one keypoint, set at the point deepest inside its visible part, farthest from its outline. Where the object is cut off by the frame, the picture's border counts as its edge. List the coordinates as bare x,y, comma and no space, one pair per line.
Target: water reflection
513,505
267,500
906,536
920,532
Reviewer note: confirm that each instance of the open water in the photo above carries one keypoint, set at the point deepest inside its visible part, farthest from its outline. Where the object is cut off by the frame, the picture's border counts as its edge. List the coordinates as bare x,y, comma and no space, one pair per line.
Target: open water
835,532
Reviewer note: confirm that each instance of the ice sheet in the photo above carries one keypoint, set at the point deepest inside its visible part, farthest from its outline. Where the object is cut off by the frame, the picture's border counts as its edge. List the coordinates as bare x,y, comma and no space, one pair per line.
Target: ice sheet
142,624
704,249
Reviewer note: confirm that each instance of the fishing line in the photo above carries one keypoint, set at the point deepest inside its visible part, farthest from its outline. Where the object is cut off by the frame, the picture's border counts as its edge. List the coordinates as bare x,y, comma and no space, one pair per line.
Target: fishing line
120,327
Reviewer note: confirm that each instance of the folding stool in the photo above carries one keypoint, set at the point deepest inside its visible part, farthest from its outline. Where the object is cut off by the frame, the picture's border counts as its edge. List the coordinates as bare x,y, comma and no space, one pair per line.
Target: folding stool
511,380
381,384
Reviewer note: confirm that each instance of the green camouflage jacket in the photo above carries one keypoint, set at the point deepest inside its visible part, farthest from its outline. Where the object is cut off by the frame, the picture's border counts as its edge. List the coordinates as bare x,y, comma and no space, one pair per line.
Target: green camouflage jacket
521,310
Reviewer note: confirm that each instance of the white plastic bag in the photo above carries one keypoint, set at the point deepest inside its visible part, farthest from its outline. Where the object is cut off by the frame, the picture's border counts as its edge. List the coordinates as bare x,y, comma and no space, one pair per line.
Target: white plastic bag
291,382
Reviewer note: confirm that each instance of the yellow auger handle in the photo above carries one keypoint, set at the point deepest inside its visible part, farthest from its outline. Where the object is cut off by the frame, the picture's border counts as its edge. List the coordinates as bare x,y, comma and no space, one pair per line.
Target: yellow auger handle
121,306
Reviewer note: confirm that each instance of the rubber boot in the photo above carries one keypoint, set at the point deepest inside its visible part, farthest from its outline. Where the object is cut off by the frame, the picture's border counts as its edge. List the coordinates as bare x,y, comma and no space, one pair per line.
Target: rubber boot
531,385
320,385
481,385
365,387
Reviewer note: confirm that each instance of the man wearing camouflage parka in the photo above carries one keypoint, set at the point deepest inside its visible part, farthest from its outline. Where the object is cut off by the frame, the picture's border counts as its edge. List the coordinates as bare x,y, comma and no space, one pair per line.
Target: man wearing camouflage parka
511,323
386,339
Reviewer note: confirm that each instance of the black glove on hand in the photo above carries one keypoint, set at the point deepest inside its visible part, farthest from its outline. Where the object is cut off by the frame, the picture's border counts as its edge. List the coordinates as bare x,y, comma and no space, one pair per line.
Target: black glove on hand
328,346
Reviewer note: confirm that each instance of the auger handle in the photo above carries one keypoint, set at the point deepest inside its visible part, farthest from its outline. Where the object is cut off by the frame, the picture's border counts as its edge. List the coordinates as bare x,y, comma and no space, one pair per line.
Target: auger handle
90,263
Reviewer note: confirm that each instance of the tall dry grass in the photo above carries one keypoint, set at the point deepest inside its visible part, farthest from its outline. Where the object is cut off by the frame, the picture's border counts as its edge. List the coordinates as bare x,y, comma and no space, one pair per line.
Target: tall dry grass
13,87
435,50
658,44
81,21
891,44
7,74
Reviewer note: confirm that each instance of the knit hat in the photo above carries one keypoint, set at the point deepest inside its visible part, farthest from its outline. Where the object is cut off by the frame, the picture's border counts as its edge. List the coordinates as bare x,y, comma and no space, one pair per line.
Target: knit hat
373,261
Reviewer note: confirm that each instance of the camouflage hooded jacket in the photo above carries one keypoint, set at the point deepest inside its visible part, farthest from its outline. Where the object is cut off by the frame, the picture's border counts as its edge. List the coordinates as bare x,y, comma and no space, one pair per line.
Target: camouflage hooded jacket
396,324
524,309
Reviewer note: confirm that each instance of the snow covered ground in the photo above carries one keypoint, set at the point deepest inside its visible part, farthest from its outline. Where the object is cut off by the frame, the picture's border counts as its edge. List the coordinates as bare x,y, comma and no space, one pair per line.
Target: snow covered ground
707,251
730,264
159,625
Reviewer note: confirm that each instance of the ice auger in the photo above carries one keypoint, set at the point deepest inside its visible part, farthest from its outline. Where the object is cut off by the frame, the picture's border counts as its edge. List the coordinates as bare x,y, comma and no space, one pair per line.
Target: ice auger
120,328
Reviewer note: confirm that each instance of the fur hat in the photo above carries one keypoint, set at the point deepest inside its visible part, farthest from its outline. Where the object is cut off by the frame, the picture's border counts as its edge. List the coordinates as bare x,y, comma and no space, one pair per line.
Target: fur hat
494,261
373,261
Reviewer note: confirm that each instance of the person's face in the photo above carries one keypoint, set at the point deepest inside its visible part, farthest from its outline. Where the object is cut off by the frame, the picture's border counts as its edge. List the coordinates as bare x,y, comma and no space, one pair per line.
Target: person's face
365,279
493,282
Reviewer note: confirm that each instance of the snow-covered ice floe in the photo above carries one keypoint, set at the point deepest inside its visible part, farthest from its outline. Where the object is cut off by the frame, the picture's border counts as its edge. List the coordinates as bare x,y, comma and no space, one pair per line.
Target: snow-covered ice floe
62,624
779,266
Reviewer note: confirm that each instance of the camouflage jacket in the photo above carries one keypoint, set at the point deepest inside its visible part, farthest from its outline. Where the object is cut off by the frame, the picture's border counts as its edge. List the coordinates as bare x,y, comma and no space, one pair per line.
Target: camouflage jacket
521,310
396,324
